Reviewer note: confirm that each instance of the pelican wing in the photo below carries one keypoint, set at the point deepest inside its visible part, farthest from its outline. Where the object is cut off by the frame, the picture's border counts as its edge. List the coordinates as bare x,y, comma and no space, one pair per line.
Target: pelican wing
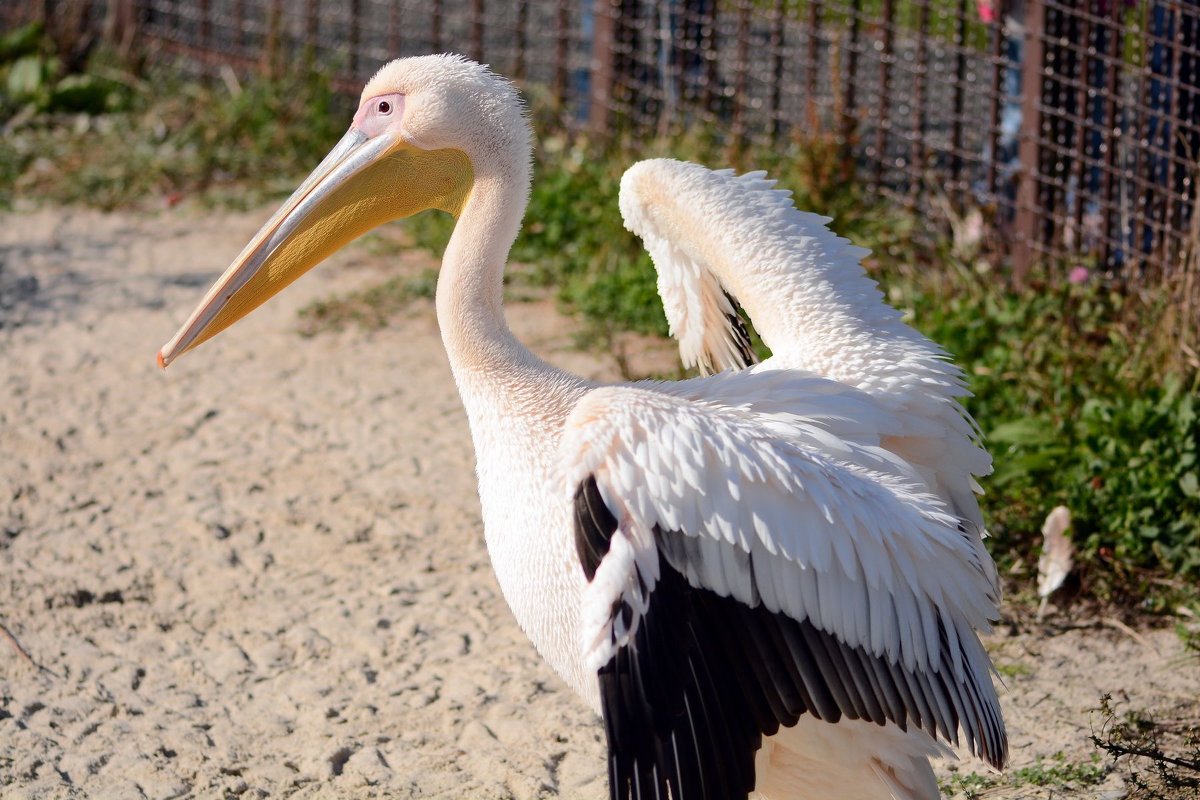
756,555
715,237
701,313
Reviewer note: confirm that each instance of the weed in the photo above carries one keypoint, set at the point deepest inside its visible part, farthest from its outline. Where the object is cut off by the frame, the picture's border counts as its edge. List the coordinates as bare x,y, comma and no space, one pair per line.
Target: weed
1160,759
1055,773
971,785
1012,669
1058,771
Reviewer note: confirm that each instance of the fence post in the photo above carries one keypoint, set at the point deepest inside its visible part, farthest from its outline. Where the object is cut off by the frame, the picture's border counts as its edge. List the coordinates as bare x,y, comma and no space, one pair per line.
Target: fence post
741,71
885,78
394,29
1027,222
477,12
560,55
917,155
849,110
121,27
311,15
521,44
355,15
999,92
813,58
435,26
1114,130
777,42
205,28
271,60
960,80
600,100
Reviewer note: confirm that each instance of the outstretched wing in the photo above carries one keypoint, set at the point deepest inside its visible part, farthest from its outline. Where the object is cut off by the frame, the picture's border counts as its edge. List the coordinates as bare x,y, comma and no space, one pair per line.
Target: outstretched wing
713,234
701,313
755,556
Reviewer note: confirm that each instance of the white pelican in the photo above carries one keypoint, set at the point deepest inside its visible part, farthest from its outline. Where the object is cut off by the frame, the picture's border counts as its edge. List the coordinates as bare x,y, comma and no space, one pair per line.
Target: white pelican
768,580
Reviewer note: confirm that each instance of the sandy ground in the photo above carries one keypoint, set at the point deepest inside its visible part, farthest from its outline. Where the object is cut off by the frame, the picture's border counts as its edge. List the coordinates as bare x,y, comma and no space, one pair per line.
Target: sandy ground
262,573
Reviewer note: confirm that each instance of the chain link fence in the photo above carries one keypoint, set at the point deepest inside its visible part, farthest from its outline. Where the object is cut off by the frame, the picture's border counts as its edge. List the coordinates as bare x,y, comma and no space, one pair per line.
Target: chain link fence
1074,127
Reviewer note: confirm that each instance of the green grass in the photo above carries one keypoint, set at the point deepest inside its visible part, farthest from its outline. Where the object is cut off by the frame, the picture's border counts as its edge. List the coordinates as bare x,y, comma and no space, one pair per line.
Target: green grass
1056,773
1012,669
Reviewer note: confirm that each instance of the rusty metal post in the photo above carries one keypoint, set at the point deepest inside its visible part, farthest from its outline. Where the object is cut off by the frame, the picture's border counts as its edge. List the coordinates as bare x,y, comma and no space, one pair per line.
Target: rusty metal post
960,82
1169,146
708,50
849,87
600,100
477,13
435,27
1028,218
885,80
205,26
355,39
918,154
121,22
393,39
998,97
239,22
561,31
741,71
1081,100
1112,133
1145,199
777,43
521,42
311,26
270,56
813,58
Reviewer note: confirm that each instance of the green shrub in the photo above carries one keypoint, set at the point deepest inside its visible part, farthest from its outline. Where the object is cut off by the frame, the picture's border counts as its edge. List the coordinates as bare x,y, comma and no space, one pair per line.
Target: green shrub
1078,412
107,138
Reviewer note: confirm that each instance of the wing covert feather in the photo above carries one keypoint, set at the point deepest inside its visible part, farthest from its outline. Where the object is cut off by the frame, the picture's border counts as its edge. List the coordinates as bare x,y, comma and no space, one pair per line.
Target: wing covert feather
870,598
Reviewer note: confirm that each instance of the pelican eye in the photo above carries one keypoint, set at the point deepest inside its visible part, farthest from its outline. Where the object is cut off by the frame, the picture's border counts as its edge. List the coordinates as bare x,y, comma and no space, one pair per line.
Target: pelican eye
385,107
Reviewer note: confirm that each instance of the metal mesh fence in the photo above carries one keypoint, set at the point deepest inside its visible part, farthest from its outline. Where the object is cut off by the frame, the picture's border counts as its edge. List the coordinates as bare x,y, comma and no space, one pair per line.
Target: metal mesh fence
1075,126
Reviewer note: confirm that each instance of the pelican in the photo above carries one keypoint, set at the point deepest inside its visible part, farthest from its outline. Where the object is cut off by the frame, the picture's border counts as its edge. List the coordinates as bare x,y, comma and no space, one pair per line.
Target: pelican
768,580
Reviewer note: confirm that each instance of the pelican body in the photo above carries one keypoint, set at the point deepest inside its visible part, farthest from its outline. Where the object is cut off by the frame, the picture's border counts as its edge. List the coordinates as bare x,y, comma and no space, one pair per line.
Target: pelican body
769,580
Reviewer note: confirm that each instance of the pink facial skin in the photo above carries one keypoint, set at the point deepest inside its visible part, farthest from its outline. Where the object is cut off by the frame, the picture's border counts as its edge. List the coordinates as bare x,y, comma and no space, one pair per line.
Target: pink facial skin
379,114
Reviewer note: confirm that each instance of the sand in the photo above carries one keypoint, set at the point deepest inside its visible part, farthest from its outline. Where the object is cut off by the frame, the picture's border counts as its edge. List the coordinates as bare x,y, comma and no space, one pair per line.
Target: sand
262,573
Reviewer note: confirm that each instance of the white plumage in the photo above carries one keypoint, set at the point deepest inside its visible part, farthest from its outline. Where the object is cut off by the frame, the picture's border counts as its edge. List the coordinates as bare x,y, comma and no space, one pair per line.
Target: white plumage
786,554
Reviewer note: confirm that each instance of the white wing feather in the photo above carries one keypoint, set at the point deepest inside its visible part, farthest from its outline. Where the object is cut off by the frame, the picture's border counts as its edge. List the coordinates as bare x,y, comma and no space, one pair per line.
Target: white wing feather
804,288
744,488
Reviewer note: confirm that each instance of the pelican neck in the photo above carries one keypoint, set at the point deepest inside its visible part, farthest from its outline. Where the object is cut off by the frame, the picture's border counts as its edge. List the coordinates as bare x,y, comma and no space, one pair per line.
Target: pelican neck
470,290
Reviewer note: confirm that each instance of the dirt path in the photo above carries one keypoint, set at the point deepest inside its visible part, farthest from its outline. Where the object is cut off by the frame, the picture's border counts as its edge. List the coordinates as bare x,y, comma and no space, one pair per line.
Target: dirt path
262,573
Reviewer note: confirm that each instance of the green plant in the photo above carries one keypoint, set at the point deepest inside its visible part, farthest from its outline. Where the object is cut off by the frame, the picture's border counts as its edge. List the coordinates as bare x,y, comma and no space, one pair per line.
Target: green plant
1080,408
106,138
1058,771
34,80
1055,773
1160,759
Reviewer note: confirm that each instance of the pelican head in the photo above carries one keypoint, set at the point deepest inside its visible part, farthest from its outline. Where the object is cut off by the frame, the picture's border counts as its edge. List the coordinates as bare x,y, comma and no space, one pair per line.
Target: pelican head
426,132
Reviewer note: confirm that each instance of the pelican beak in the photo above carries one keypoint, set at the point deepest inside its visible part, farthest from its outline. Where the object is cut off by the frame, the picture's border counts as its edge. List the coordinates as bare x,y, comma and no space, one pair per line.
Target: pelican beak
362,183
